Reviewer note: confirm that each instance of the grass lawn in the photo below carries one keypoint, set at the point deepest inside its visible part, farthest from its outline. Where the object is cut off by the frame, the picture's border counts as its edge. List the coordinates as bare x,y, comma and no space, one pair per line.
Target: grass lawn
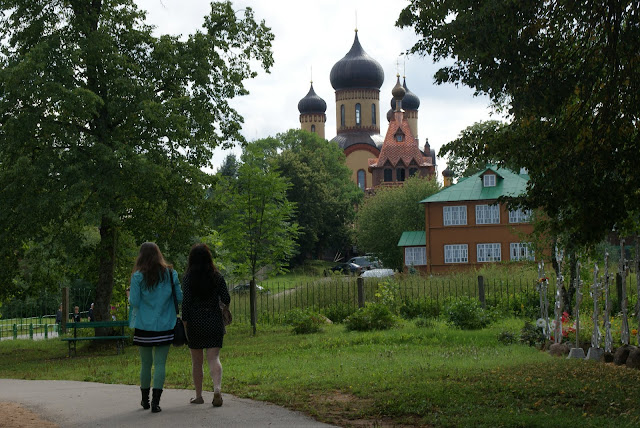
408,376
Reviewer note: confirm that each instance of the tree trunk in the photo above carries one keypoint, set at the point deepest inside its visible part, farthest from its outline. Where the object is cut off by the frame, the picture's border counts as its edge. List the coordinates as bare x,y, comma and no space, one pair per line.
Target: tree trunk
107,261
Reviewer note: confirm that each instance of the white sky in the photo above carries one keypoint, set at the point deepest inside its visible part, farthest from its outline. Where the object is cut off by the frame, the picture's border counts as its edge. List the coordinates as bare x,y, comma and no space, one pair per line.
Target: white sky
314,35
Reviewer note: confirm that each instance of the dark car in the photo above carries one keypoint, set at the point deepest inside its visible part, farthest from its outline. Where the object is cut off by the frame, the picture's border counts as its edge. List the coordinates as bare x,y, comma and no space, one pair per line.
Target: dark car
346,269
244,288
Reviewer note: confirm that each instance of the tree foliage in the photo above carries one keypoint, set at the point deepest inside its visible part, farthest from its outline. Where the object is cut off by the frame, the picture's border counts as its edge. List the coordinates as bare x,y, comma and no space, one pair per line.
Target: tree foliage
105,125
382,218
322,190
567,74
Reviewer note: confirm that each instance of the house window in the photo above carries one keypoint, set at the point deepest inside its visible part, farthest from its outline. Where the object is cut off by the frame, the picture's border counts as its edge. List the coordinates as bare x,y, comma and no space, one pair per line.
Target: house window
313,128
454,216
388,174
489,180
456,253
399,137
519,216
361,179
415,256
413,171
358,114
342,115
487,214
373,114
488,253
400,174
521,251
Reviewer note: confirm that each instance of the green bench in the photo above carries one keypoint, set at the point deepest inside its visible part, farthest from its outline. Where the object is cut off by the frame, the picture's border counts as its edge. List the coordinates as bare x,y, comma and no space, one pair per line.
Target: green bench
96,324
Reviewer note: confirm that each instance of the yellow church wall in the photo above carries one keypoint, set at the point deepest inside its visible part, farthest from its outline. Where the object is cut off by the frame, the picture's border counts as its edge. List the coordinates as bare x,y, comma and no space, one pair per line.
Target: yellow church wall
357,160
349,99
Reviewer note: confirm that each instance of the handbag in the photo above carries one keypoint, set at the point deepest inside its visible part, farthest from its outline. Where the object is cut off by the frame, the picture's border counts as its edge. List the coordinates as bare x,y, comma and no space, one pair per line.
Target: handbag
226,313
179,333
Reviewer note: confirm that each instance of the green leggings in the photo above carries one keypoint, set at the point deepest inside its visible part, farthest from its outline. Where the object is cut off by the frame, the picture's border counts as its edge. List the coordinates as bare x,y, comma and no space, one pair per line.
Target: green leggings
147,356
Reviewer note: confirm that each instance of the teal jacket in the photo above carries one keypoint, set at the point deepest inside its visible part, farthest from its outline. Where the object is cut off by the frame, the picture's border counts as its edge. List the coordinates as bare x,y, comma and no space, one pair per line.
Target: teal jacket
153,309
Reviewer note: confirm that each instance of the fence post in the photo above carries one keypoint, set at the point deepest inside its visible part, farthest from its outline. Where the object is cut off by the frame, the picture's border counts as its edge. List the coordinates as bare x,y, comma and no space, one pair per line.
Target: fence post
15,331
618,306
65,310
252,304
360,282
481,291
31,330
46,331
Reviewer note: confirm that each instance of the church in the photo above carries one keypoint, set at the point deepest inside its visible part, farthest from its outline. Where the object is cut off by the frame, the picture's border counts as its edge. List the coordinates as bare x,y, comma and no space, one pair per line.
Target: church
374,160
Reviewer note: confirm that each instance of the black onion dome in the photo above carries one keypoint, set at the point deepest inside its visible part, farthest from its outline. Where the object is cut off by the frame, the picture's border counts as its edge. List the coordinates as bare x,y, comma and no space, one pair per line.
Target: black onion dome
390,115
312,103
447,173
410,100
356,70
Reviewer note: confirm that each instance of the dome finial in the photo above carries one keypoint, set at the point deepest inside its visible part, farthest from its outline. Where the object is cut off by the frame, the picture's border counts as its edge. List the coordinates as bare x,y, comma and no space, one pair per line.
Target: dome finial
356,20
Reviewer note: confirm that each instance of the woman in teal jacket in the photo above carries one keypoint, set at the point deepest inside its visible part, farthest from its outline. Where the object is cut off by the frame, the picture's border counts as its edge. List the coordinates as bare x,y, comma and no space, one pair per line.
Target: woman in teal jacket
153,317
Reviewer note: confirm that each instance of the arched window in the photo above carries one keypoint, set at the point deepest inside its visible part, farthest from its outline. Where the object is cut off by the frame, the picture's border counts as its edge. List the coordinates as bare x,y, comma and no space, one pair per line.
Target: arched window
361,179
388,174
342,115
313,128
358,114
373,114
400,174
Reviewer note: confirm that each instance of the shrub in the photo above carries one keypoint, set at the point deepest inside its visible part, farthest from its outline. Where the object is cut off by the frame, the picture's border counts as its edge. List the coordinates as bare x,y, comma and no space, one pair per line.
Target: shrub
338,312
507,337
304,321
531,334
425,322
410,309
374,316
467,314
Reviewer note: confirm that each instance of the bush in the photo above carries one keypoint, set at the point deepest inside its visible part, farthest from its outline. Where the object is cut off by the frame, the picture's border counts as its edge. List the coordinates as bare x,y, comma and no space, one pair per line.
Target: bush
411,309
338,312
531,334
507,337
374,316
304,321
467,314
425,322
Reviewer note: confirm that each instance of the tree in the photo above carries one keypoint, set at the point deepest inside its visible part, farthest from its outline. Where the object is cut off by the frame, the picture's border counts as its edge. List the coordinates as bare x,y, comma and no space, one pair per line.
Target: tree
322,190
567,73
382,218
229,167
465,154
106,125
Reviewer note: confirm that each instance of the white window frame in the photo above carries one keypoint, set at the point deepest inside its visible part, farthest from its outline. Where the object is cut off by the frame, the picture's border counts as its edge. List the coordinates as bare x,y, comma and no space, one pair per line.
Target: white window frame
486,253
454,215
489,180
521,251
456,253
519,216
487,214
415,256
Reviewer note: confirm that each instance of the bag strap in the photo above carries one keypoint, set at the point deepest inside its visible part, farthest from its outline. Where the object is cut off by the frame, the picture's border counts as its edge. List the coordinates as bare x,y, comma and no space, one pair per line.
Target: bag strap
173,292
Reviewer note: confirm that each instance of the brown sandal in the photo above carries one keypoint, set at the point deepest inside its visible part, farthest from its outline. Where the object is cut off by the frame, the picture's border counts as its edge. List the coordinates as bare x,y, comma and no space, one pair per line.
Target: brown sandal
197,400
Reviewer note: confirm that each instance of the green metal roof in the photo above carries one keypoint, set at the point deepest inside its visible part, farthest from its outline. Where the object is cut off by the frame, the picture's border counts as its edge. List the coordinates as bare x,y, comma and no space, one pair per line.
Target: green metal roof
508,183
413,239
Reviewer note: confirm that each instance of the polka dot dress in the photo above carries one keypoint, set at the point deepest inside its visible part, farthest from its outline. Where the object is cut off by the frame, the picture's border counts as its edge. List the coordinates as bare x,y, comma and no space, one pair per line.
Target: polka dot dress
205,327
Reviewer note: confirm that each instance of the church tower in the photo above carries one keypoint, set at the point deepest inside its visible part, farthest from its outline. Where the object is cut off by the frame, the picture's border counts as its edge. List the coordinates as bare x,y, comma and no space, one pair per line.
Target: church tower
312,110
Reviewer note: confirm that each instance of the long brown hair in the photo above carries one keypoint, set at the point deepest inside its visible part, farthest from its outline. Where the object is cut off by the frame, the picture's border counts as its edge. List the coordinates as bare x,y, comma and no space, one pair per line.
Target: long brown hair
151,264
201,271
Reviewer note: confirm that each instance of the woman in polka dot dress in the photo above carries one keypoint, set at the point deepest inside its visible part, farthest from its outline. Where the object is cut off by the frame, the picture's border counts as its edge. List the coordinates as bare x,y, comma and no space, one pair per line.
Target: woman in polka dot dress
204,289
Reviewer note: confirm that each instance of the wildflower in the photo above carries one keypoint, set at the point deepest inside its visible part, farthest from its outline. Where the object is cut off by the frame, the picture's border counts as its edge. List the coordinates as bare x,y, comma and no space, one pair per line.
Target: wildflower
541,323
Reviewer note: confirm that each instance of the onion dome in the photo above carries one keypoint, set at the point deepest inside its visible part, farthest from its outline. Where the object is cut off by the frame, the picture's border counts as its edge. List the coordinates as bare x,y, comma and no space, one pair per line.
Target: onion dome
410,100
312,103
356,70
447,173
398,91
390,115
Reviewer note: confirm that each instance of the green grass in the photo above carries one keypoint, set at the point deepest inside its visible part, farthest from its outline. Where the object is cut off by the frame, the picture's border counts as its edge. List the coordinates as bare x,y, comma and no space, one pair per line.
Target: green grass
408,376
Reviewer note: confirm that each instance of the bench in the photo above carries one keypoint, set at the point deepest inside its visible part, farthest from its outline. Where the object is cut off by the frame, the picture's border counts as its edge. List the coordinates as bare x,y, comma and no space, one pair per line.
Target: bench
96,324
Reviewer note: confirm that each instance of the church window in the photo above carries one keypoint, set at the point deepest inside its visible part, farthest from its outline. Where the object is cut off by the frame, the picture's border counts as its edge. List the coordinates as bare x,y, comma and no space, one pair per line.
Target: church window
399,137
313,128
413,171
388,174
358,114
400,174
373,114
361,179
342,115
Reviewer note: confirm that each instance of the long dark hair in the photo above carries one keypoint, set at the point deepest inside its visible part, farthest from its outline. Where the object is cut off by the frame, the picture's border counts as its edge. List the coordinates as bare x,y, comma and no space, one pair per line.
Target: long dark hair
151,264
201,271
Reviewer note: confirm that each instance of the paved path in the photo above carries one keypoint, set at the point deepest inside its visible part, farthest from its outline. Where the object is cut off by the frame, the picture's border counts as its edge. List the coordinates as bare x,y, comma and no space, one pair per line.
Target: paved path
75,404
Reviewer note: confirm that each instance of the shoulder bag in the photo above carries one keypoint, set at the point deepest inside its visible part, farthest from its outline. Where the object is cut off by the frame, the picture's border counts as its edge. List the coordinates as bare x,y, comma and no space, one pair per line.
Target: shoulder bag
226,313
179,333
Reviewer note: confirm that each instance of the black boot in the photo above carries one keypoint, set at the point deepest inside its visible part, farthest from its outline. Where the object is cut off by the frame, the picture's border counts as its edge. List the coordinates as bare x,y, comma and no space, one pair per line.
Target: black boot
155,401
145,398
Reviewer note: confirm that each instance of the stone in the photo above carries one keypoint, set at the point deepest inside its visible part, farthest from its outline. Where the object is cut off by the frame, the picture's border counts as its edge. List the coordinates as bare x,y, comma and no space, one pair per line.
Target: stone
558,349
633,360
608,357
577,353
595,354
621,354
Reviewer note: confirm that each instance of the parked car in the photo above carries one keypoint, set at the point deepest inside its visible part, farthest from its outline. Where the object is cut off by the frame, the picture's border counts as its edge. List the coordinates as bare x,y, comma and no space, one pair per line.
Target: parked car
346,269
245,287
366,262
377,273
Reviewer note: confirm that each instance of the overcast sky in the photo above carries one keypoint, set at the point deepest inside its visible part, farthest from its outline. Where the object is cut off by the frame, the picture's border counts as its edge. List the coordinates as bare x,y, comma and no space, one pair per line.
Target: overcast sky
310,37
